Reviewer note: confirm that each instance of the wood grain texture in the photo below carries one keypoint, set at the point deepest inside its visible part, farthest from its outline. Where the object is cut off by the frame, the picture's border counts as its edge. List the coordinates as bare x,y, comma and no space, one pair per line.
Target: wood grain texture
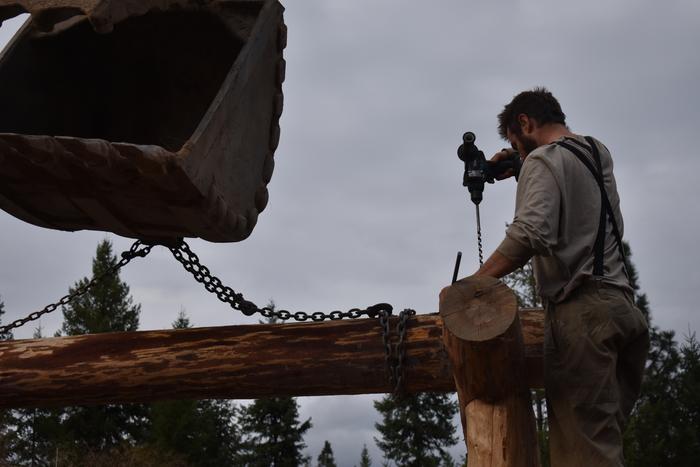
237,362
498,434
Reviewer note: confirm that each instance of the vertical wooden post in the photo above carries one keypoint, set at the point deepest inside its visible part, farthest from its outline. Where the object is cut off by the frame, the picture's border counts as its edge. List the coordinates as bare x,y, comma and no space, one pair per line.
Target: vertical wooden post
483,339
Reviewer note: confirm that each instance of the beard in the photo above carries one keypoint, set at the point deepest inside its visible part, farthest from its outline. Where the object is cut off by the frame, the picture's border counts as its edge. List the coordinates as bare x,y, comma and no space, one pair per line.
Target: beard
528,144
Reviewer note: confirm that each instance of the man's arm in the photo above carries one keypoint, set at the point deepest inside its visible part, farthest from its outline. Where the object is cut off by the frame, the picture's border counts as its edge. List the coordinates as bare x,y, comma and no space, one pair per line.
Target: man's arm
509,256
496,266
535,224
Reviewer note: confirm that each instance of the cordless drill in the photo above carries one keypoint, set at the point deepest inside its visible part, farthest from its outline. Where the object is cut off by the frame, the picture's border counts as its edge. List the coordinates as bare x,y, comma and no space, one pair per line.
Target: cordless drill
477,171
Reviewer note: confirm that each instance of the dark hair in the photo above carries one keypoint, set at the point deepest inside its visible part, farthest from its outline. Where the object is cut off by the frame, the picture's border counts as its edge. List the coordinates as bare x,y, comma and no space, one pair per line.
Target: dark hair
539,104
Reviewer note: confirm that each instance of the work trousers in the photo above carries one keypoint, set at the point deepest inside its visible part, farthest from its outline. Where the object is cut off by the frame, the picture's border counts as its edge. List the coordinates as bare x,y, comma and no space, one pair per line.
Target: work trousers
596,343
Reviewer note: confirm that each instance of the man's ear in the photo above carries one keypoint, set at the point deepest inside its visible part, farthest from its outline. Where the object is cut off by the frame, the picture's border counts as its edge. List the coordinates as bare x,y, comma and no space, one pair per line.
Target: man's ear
524,122
527,124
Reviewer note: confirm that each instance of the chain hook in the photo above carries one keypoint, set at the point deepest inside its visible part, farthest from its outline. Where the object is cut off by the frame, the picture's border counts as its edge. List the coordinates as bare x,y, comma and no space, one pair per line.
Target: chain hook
375,310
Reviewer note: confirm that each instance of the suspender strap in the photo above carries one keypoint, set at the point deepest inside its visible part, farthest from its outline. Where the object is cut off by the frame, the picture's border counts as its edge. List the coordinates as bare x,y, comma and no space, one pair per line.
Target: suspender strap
606,200
599,247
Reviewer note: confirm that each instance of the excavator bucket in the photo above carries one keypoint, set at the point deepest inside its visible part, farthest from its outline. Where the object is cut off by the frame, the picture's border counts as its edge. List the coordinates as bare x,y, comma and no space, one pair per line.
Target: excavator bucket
152,119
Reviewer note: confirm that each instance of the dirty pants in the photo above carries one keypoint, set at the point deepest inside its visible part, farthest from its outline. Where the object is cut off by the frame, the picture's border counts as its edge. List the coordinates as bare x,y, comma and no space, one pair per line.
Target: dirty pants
596,343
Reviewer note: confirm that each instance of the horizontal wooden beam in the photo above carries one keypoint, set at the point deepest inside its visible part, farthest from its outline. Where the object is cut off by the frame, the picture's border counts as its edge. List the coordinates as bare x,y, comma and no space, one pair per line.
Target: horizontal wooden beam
233,362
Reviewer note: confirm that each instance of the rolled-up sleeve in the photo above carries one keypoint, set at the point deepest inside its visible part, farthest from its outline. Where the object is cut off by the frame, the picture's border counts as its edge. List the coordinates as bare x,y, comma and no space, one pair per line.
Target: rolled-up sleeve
535,226
518,253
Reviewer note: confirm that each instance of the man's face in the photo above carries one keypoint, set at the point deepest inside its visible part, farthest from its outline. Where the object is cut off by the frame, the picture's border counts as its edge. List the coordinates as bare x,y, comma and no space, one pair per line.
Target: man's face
522,143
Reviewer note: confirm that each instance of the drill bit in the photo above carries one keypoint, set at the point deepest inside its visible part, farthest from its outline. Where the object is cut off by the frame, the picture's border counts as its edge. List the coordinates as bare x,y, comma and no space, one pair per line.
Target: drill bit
478,237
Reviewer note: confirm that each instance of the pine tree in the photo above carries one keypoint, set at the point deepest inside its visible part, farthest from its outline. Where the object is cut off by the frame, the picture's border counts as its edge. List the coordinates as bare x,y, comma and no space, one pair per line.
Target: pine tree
182,321
274,436
689,392
130,456
106,307
415,429
664,428
5,415
37,436
653,434
365,460
204,432
325,458
522,282
6,335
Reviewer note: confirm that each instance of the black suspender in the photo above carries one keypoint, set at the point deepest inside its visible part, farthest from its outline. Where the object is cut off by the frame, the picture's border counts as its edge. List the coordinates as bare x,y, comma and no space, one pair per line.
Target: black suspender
605,205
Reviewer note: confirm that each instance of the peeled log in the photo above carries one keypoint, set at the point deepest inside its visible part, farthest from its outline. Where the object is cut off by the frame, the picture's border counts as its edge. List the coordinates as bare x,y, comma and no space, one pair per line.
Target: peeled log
237,362
483,337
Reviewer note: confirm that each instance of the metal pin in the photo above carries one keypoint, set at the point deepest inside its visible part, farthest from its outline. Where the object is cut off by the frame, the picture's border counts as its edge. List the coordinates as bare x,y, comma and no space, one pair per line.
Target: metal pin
456,271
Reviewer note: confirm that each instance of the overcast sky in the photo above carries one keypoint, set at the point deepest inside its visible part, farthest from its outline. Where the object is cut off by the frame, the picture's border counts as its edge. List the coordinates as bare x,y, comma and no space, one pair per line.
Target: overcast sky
366,203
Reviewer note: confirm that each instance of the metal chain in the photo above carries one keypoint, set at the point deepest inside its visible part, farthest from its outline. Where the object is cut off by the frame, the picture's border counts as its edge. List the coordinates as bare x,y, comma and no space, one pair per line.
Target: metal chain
201,273
138,249
401,349
388,351
394,353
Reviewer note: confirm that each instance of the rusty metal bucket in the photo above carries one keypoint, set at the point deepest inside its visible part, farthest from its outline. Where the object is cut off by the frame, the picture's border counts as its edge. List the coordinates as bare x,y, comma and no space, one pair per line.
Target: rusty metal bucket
151,119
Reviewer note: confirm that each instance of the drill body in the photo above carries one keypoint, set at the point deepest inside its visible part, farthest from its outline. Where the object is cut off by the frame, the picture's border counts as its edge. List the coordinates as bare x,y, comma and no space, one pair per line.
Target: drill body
478,171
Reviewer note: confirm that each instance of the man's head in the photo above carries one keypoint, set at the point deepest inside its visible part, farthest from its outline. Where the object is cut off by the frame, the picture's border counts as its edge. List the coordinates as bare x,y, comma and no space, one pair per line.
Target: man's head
527,120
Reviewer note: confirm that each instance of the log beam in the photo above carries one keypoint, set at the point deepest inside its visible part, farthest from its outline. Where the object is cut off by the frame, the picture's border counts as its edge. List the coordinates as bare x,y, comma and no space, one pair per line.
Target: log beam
235,362
484,340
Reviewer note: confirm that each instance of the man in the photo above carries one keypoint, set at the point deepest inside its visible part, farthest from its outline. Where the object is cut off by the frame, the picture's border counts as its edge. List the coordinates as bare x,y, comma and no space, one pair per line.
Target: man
596,340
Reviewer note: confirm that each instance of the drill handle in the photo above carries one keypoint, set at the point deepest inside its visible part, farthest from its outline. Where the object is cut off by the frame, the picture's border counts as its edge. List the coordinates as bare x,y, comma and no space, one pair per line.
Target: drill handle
498,168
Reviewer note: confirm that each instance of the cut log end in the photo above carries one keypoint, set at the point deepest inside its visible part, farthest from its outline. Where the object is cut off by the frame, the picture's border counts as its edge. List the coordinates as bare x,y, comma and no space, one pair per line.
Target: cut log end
478,308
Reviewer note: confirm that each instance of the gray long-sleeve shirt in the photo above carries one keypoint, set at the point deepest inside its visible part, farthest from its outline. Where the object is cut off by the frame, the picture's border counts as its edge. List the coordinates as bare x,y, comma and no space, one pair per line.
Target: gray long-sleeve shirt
557,211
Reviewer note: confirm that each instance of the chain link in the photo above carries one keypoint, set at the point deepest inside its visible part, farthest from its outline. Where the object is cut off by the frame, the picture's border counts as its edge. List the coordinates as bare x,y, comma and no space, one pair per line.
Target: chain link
394,352
401,349
388,351
190,261
138,249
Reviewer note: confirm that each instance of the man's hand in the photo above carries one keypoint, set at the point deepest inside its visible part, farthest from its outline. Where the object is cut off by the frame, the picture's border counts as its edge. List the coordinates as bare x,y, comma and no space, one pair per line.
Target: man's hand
502,155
